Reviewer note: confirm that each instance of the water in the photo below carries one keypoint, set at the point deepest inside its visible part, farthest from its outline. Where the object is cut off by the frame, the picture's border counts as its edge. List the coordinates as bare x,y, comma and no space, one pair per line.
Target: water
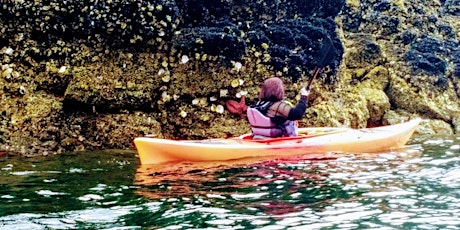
417,187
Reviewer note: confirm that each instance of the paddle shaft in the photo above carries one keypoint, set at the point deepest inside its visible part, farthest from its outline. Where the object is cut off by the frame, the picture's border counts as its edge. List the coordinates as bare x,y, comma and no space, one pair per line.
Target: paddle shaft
326,56
317,70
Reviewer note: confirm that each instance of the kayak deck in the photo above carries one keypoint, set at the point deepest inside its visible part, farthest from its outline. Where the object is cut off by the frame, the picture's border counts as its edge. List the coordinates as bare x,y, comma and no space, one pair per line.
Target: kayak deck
310,141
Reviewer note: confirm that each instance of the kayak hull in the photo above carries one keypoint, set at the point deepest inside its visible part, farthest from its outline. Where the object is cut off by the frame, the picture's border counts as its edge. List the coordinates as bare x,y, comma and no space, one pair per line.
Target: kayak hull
316,141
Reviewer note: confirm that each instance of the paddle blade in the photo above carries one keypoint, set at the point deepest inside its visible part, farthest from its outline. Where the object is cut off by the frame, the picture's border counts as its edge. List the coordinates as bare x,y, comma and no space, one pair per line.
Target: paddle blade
326,54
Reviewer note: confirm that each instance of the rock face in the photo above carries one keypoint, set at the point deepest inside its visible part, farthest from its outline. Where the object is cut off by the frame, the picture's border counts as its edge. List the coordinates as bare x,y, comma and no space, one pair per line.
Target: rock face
85,75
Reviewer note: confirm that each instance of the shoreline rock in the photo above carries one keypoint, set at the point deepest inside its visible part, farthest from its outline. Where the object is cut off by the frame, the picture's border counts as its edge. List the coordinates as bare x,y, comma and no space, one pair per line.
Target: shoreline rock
94,75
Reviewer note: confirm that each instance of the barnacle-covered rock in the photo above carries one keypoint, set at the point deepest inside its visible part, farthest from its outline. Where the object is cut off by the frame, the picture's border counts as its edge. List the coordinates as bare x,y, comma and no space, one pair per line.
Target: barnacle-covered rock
362,52
108,86
444,106
114,22
33,124
108,129
95,74
426,128
348,109
377,105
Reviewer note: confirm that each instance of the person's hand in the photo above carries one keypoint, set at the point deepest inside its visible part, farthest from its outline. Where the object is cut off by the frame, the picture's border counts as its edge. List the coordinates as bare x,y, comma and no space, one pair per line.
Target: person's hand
304,92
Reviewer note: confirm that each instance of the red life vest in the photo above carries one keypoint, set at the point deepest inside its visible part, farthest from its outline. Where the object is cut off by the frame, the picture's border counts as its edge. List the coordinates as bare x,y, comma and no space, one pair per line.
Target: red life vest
264,126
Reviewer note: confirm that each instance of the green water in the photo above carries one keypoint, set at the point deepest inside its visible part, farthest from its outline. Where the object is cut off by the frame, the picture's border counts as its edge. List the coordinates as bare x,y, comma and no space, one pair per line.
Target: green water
417,187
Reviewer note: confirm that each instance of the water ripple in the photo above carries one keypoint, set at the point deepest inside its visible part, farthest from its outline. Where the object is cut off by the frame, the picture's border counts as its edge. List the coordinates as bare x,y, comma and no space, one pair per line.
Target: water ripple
417,187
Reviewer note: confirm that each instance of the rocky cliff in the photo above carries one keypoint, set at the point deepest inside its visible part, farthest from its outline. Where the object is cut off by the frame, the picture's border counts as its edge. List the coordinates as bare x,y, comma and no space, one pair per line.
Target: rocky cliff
85,75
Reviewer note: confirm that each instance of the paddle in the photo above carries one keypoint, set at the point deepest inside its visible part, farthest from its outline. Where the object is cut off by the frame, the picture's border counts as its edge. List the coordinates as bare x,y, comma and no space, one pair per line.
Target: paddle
326,55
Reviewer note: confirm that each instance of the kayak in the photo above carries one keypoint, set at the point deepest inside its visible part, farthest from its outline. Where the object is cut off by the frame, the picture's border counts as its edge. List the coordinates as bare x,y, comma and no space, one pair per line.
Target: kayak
321,140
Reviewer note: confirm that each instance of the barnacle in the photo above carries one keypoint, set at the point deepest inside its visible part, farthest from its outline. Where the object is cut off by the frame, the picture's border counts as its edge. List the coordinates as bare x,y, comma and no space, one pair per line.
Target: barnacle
266,58
166,78
15,74
62,69
9,51
238,66
223,93
165,97
235,83
22,90
219,109
184,59
7,73
265,45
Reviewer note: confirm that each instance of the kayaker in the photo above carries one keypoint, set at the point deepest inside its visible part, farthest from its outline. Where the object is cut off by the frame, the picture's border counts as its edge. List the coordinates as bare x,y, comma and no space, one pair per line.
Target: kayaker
271,116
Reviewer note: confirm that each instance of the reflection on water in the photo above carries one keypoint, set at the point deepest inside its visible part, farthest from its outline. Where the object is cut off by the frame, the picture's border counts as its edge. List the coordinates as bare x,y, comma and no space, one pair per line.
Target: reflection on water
417,187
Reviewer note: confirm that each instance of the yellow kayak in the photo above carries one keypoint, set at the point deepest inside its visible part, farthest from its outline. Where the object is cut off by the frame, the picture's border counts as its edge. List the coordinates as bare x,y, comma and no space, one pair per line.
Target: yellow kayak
309,141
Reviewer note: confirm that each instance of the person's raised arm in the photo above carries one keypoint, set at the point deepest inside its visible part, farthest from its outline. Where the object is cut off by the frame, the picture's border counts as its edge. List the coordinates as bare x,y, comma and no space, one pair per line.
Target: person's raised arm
298,111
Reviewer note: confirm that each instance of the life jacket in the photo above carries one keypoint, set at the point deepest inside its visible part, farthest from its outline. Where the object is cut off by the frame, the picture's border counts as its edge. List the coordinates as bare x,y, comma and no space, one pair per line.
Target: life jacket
261,125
